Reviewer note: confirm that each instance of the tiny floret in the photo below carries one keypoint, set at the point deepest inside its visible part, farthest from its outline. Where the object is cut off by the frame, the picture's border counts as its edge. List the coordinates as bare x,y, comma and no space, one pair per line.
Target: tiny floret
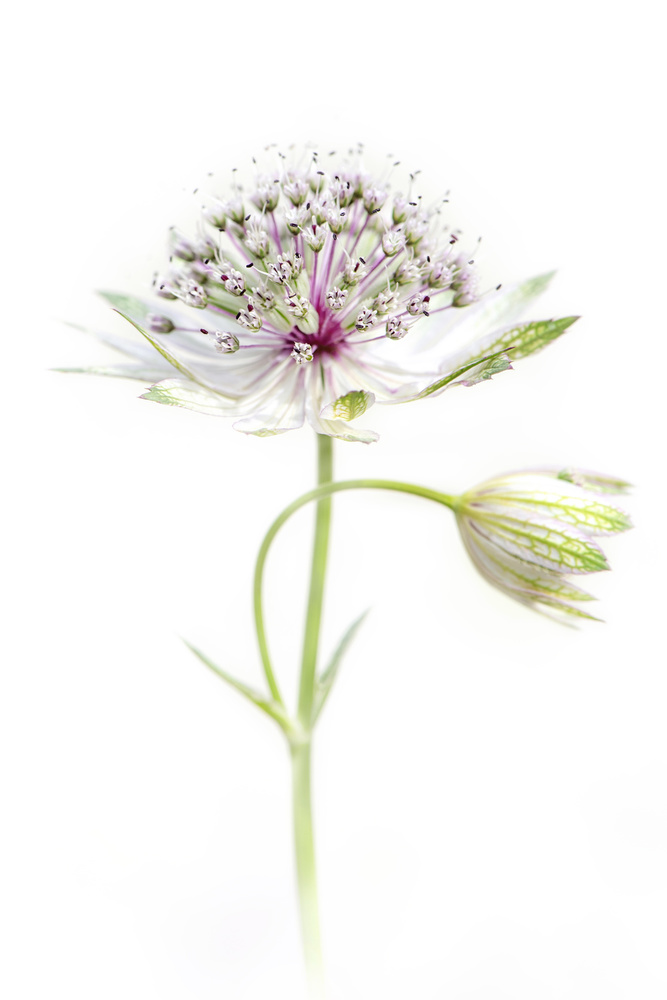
336,297
366,319
302,353
392,242
395,328
418,304
249,318
191,293
159,324
224,343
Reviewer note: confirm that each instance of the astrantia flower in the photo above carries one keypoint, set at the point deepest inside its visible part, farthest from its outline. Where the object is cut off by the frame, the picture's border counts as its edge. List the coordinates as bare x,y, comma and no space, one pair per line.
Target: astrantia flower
527,532
314,294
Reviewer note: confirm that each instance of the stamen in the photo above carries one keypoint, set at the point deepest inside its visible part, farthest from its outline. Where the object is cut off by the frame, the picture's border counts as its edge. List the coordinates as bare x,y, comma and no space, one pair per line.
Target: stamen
302,353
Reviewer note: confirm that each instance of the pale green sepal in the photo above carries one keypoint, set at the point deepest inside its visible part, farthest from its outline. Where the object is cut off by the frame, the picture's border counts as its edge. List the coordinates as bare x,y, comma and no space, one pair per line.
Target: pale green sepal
547,542
594,481
325,681
509,302
494,310
174,392
142,374
486,370
267,705
310,323
127,304
347,407
167,355
245,427
543,602
452,377
280,320
590,515
352,434
341,429
527,338
514,575
139,350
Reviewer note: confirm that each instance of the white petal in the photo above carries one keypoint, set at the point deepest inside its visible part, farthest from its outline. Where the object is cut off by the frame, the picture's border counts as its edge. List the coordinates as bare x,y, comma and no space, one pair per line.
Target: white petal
282,409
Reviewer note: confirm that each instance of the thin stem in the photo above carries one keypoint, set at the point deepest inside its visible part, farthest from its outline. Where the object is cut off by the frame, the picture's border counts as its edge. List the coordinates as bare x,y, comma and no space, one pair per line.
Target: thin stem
261,634
305,868
301,754
317,494
318,571
301,746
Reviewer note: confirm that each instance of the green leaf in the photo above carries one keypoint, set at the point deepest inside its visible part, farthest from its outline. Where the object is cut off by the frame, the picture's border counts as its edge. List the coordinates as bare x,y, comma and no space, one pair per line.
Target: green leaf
347,407
325,681
267,705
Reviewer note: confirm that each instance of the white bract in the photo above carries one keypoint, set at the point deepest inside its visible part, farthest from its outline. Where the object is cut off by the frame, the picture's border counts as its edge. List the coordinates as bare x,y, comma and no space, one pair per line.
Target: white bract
298,291
527,532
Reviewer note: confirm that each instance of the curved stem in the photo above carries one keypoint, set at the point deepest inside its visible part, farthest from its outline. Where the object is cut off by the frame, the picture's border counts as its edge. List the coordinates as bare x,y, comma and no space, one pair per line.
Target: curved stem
301,747
327,489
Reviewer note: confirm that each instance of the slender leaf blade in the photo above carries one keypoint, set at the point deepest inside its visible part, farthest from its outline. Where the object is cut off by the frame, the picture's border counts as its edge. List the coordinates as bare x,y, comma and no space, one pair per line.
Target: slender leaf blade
267,705
326,679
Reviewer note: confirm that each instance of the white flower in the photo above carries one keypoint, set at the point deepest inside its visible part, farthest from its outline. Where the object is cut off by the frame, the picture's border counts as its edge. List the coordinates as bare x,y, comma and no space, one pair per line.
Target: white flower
315,257
527,532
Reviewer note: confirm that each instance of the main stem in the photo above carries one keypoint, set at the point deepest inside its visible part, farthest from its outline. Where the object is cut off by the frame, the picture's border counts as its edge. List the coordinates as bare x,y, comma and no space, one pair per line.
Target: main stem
311,637
301,752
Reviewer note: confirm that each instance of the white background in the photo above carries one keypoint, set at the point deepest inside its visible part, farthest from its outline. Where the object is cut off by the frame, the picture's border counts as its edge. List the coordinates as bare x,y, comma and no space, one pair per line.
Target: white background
491,802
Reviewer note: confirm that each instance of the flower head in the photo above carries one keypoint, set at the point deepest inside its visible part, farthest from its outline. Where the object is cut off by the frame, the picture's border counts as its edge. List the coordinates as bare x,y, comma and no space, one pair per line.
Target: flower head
303,284
527,532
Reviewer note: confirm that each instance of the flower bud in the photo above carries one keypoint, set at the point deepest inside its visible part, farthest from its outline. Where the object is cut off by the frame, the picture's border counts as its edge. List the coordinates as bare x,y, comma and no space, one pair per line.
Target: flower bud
159,324
215,216
526,532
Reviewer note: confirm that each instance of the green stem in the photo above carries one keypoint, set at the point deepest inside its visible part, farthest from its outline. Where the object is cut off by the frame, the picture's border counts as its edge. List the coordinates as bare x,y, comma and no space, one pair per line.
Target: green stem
301,754
305,868
319,493
301,745
318,571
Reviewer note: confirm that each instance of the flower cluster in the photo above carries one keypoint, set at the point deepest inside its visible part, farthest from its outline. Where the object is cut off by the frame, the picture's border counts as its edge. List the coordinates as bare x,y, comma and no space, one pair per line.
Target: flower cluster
298,291
527,532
